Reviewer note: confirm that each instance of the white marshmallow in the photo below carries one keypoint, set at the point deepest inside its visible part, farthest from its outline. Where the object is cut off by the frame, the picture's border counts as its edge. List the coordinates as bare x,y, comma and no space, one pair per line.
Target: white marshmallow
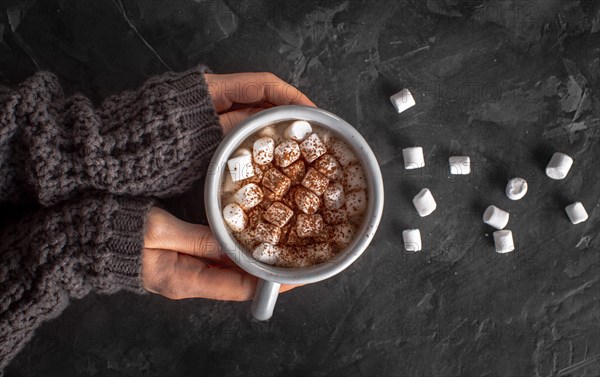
356,203
286,153
413,158
298,130
267,253
402,100
503,240
460,165
248,196
412,239
242,152
343,233
334,197
355,178
228,184
343,153
516,188
262,150
319,252
271,131
576,212
495,217
234,217
559,166
240,167
312,148
424,202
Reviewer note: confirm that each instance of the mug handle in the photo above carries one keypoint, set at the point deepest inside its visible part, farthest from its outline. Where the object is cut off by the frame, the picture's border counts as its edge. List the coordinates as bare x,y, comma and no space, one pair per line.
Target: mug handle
265,297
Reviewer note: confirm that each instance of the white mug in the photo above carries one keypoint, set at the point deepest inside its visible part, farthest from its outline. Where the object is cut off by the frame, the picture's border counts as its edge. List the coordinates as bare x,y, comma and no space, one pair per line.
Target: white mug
271,277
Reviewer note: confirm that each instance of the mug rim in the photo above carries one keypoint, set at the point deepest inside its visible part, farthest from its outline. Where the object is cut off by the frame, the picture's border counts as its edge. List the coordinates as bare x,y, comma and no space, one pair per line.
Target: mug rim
217,168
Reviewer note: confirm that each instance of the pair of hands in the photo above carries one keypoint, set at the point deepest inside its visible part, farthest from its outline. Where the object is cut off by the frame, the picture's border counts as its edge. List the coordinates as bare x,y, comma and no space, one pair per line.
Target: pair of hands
182,260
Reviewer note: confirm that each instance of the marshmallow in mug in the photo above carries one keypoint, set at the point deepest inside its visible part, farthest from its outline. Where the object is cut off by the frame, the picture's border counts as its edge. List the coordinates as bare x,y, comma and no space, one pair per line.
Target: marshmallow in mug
495,217
559,166
248,196
424,202
334,197
263,150
235,217
412,239
503,241
240,167
402,100
576,212
298,130
413,158
267,253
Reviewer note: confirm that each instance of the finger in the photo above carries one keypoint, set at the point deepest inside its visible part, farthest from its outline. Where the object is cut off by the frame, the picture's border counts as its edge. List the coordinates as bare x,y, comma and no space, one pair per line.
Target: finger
231,119
254,88
200,280
171,233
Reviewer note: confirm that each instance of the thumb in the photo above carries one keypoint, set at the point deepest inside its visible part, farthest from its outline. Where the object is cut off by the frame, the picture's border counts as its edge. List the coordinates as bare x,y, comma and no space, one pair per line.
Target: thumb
231,119
165,231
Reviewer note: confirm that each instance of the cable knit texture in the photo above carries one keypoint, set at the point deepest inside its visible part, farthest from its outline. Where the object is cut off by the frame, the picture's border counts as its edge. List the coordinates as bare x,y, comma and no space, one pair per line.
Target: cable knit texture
84,166
63,252
155,141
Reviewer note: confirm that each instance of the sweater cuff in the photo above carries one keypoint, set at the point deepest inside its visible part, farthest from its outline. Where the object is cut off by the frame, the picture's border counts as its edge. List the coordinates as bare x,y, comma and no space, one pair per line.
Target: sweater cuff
123,245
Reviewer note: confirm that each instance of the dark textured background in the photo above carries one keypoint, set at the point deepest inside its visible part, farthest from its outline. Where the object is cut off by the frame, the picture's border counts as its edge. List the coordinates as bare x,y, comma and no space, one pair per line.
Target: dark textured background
505,82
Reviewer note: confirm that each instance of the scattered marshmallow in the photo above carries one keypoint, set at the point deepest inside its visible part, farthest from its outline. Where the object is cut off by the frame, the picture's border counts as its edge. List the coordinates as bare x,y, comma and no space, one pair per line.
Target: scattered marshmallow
298,130
334,197
240,167
312,148
460,165
278,214
402,100
343,153
412,239
309,225
234,217
328,166
267,233
287,153
263,150
307,201
334,216
503,240
276,181
356,203
315,181
424,202
495,217
559,166
516,188
355,178
267,253
413,158
576,212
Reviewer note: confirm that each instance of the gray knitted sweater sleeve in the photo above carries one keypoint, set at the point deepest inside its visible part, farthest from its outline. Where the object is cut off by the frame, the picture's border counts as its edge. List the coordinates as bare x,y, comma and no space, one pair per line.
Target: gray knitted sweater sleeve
62,252
155,141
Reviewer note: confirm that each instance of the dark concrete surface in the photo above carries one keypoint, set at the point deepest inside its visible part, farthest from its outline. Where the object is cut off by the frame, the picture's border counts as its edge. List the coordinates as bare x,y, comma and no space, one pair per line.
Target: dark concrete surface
506,82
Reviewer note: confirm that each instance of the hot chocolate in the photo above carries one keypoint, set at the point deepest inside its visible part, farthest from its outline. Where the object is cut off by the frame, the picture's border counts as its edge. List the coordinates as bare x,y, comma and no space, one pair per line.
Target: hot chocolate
294,194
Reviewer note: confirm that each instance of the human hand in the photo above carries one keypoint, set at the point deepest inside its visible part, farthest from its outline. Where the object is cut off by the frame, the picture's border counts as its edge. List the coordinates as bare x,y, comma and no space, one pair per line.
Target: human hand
183,260
237,96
